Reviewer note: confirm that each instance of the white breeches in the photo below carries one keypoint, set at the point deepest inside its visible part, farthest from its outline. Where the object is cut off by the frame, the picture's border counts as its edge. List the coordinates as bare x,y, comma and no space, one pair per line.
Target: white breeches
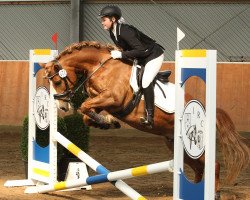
151,70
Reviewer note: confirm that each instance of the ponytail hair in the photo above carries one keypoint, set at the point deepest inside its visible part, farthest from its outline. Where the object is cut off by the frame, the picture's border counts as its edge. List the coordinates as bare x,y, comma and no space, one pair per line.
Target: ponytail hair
121,20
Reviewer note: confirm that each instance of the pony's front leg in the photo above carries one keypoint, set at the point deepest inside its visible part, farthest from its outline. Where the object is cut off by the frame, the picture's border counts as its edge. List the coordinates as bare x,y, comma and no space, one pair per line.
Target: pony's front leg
90,122
102,122
92,118
88,108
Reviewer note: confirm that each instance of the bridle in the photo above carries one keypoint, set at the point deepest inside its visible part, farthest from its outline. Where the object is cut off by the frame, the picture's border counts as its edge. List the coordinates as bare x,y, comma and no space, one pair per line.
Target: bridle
62,73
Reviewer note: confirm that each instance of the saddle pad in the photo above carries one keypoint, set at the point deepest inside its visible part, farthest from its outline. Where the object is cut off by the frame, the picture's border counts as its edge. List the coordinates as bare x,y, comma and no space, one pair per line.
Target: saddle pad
166,104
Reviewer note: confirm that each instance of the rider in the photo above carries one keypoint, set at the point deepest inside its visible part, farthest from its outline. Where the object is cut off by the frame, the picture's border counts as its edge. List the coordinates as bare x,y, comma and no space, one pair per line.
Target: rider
135,45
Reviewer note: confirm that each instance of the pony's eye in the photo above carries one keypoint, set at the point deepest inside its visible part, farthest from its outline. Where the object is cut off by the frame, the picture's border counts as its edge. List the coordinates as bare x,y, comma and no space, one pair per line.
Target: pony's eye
56,68
57,83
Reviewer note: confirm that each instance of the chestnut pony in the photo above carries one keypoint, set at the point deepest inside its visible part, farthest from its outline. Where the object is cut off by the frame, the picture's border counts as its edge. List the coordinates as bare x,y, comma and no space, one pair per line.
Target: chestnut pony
108,89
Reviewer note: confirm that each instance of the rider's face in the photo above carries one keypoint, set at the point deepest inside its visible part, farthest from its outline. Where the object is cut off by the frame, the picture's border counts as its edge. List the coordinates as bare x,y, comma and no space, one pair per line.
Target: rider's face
107,22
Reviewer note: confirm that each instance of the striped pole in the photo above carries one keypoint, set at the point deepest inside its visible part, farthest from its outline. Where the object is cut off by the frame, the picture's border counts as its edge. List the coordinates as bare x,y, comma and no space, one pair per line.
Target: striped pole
111,176
94,165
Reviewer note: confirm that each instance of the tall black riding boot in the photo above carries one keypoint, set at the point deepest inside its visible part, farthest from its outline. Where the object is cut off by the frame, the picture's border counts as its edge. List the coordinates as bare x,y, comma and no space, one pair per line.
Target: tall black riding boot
148,92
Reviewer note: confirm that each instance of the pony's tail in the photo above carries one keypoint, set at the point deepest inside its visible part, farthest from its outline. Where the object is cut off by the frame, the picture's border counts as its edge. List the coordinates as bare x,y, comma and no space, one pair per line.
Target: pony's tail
235,150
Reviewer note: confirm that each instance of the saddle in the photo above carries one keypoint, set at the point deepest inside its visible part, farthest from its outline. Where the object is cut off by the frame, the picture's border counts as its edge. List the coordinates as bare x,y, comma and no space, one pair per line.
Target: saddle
162,76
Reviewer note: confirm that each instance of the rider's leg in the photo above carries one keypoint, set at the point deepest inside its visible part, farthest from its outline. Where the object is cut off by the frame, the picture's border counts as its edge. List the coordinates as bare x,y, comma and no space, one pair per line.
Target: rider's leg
150,71
149,105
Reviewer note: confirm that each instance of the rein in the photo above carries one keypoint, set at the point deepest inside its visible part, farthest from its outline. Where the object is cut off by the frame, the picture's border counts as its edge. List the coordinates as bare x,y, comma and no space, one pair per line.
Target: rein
84,81
62,73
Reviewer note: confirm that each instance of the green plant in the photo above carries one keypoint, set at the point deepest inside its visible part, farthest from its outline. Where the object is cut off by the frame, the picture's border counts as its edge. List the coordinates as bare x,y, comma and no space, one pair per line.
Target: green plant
24,139
77,132
71,126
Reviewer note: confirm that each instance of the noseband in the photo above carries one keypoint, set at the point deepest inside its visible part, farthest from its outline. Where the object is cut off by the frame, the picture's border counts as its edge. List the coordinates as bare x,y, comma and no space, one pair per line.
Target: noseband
62,73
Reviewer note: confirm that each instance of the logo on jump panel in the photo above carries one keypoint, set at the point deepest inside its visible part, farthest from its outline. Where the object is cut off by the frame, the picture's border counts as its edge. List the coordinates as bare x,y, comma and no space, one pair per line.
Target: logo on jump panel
193,129
41,108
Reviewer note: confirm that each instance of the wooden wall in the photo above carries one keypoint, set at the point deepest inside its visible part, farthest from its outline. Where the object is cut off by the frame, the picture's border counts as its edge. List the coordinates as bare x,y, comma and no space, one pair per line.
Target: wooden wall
233,91
13,92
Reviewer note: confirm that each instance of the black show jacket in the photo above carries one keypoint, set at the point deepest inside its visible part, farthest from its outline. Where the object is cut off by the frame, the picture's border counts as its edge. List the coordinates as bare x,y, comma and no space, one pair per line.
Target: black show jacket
134,43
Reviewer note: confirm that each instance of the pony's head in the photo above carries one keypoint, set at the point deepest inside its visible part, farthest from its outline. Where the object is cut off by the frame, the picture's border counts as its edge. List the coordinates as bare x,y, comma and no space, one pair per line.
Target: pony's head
62,81
85,58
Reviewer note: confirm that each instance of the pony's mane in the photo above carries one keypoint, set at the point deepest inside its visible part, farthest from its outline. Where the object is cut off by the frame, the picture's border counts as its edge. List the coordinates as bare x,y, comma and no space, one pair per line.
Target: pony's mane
83,44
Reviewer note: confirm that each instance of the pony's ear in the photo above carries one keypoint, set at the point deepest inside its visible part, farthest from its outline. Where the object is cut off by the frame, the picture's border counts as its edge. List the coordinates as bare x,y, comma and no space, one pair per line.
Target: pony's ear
42,65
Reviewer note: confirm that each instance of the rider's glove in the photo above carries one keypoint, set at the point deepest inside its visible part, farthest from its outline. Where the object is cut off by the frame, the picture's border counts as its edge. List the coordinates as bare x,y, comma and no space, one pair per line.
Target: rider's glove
116,54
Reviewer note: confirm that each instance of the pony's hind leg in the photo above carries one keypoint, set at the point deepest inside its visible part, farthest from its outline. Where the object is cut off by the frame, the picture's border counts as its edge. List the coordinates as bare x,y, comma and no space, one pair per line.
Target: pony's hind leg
198,167
217,180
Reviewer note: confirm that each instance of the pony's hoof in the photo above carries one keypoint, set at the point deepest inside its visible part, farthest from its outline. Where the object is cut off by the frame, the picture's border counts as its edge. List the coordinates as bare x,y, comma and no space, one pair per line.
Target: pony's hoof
105,126
117,125
109,119
114,125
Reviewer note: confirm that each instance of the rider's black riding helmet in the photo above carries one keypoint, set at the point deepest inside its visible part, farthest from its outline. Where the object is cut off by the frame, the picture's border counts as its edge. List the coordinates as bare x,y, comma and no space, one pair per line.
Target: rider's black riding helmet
111,11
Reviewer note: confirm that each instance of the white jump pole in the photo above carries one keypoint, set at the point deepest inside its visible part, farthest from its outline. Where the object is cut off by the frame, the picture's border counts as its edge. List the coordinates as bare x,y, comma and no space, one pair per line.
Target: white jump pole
112,176
93,164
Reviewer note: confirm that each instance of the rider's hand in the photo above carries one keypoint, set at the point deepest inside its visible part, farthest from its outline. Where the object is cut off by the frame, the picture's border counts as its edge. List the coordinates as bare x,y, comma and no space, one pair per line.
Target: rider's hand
116,54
